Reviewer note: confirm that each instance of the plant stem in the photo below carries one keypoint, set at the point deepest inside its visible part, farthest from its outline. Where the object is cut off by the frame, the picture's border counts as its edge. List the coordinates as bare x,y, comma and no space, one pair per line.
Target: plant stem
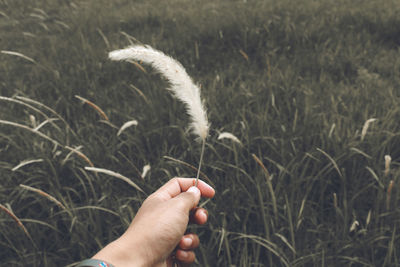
201,160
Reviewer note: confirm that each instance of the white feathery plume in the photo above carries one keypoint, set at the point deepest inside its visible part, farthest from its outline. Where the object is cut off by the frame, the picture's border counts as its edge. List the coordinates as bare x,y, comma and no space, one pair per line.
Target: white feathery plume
26,162
365,127
33,120
388,160
354,226
181,85
226,135
146,169
127,125
368,219
116,175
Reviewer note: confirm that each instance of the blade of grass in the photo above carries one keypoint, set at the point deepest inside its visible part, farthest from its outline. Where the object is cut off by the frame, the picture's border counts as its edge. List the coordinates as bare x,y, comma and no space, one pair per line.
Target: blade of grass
48,109
16,219
270,188
332,161
81,155
29,129
94,106
270,246
116,175
44,194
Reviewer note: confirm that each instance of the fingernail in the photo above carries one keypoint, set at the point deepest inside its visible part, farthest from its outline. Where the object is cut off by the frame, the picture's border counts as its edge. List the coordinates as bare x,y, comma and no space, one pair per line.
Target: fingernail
184,254
187,241
193,189
205,214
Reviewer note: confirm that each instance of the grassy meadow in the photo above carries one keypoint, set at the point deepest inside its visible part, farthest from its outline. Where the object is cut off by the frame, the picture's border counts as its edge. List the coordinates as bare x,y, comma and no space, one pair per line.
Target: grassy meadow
311,88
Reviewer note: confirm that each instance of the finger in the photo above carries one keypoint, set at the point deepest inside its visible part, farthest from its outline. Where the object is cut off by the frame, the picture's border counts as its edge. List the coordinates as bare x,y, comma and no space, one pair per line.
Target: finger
176,186
184,256
198,216
186,201
189,242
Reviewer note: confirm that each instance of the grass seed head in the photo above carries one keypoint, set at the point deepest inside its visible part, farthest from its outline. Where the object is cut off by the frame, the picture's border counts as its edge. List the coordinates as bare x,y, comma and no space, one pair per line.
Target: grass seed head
146,169
388,160
226,135
181,85
365,127
127,125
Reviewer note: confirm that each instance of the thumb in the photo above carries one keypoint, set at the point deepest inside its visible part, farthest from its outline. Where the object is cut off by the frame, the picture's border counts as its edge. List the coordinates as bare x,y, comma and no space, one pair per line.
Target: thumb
190,198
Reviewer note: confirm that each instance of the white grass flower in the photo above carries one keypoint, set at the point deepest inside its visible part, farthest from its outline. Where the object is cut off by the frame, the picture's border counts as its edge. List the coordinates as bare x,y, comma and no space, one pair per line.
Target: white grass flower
388,160
226,135
335,201
181,85
146,169
331,130
26,162
354,226
18,55
365,127
32,119
368,219
127,125
116,175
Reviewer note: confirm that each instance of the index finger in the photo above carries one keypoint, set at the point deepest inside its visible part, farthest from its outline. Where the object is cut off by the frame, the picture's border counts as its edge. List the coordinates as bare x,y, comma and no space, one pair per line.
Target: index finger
175,186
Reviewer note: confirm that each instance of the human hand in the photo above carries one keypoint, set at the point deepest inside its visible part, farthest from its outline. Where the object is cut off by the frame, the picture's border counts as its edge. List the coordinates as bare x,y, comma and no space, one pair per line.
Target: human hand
159,226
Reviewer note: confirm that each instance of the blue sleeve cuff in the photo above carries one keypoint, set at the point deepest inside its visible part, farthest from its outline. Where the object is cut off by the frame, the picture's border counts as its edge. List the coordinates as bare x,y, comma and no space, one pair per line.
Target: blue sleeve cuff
94,263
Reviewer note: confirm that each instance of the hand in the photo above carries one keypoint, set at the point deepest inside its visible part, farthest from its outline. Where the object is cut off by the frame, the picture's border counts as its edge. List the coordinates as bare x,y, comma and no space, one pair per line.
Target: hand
159,226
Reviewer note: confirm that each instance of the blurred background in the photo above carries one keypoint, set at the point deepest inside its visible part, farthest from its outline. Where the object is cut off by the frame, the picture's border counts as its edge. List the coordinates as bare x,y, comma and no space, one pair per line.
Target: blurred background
309,88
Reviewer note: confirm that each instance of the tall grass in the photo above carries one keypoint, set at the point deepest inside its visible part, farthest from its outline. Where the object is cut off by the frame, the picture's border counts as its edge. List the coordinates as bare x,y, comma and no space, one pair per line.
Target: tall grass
308,184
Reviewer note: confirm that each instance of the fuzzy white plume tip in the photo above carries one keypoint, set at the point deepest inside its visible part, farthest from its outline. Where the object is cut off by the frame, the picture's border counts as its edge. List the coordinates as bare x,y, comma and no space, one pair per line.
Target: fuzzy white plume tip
181,85
226,135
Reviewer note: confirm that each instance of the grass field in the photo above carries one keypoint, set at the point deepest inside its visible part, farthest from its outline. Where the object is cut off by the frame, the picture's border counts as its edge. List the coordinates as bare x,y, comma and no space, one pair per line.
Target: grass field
299,83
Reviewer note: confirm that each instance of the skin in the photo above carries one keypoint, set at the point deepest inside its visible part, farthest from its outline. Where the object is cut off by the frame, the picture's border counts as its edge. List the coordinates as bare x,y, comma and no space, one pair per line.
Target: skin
156,236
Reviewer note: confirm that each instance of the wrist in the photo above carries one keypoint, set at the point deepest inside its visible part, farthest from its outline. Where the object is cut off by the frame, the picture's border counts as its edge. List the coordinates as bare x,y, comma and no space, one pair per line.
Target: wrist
120,254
